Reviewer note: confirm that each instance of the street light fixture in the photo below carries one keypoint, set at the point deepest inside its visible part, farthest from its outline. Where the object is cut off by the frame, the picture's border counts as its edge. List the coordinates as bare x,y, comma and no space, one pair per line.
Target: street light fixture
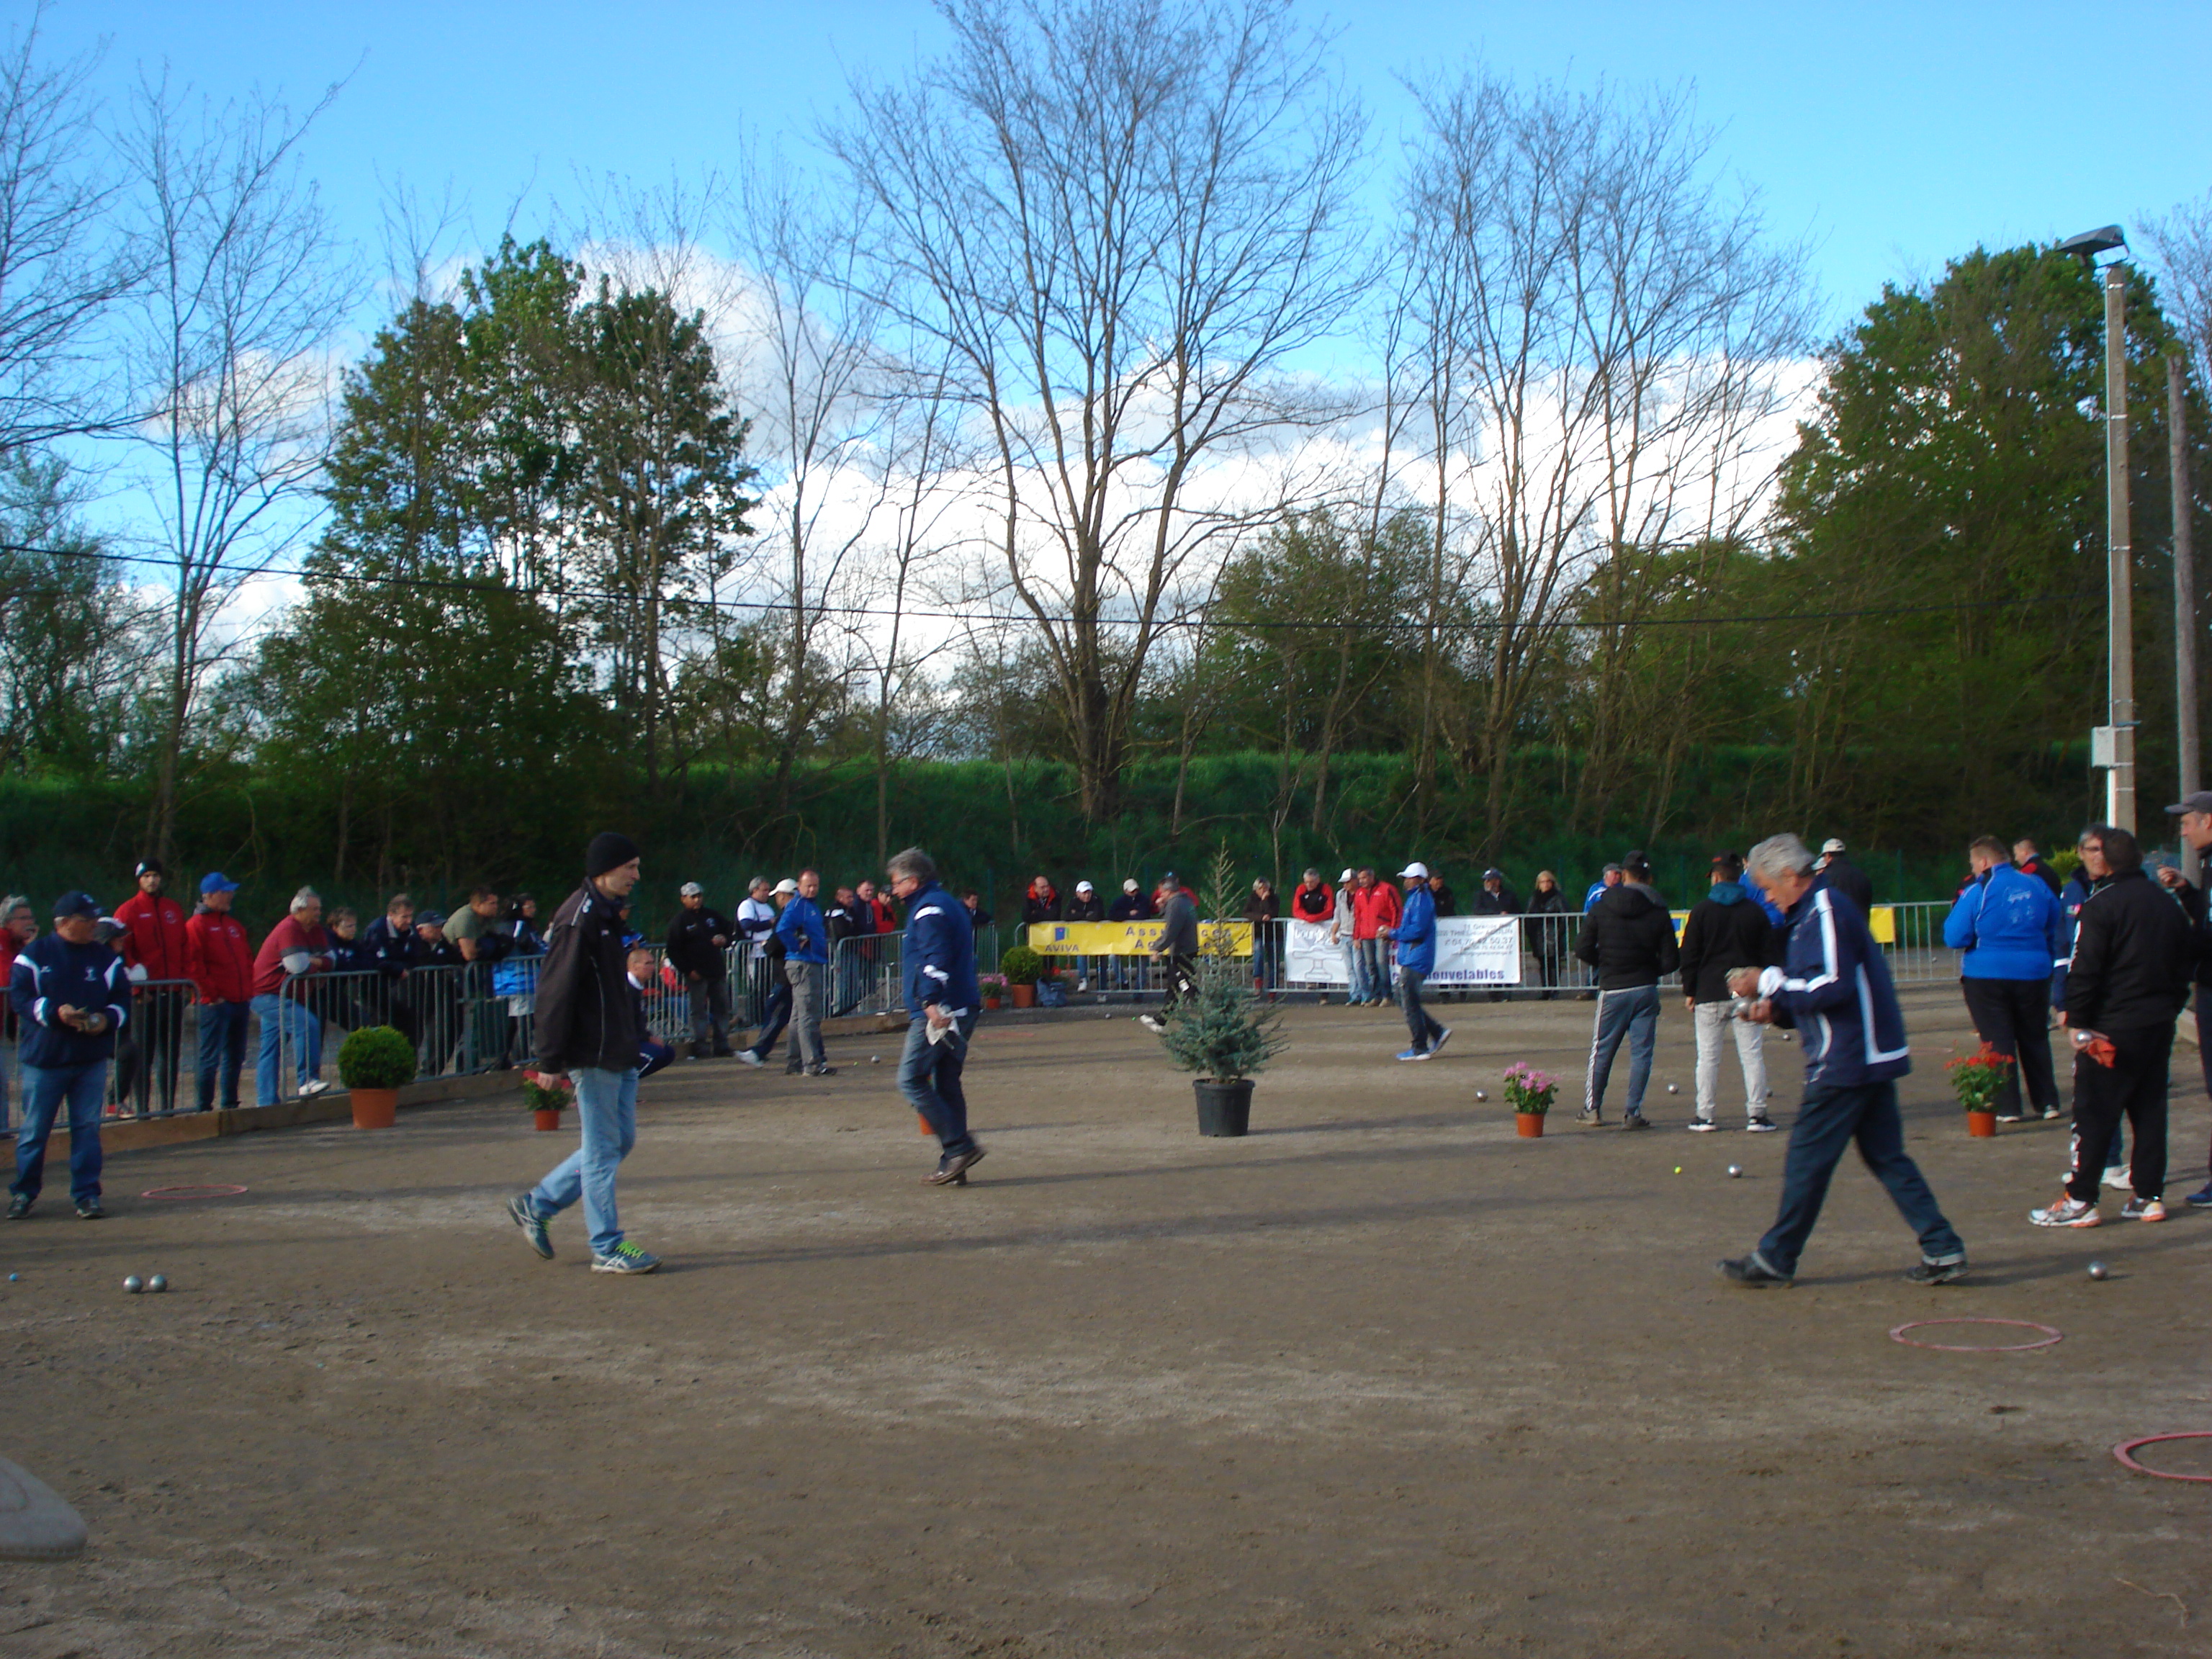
2112,746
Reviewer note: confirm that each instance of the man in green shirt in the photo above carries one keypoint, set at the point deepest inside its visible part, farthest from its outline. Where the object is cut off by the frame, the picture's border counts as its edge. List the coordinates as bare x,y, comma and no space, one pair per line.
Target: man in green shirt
487,1024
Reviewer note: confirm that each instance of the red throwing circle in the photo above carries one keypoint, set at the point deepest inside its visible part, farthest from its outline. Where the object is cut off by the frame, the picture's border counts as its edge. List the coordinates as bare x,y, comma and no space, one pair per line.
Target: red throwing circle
2124,1450
2048,1337
191,1192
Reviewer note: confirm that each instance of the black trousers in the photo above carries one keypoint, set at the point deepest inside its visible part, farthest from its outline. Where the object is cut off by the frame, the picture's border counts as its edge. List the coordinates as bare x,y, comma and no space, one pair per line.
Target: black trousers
2013,1016
2133,1087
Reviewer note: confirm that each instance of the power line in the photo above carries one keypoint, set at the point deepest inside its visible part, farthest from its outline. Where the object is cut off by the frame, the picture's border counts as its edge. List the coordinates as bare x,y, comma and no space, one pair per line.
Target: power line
1411,625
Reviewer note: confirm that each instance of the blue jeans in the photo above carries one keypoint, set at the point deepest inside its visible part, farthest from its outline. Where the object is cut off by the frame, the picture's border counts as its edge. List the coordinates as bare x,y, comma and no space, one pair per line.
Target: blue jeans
1425,1029
300,1032
777,1014
45,1088
929,1076
223,1052
607,1103
1632,1013
1828,1121
1371,973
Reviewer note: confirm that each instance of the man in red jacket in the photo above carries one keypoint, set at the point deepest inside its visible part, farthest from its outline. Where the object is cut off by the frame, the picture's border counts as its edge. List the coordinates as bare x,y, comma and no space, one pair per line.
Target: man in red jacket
296,948
1374,907
154,949
220,957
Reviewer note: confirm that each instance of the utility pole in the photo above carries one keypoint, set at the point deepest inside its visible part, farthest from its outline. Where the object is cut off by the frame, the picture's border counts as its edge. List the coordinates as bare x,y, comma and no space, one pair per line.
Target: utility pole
2119,593
2185,591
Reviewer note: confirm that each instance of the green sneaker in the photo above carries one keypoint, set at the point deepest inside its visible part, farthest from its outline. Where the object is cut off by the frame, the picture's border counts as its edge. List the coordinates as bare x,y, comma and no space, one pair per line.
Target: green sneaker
625,1258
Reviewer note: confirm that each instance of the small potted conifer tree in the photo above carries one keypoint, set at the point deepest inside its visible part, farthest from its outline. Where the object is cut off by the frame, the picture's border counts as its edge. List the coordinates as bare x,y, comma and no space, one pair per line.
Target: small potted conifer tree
1022,967
1222,1031
375,1063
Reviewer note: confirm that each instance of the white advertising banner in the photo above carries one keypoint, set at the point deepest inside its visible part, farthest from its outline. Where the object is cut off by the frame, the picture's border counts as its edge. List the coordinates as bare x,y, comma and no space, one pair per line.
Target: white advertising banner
1478,951
1470,951
1308,956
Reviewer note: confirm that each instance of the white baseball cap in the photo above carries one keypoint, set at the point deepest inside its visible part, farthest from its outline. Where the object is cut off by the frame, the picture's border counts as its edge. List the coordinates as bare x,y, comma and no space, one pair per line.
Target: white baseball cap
1083,887
691,890
786,885
1347,876
1832,845
1417,869
1130,885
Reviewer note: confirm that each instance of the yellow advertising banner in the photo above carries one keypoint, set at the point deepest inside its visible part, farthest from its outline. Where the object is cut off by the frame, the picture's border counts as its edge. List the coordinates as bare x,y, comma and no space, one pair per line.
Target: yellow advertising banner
1125,939
1881,922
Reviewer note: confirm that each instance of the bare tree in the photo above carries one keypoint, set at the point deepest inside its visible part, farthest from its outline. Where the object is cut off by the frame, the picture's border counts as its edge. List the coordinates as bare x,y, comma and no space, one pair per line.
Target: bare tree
61,268
811,373
2182,240
1122,219
242,298
1602,334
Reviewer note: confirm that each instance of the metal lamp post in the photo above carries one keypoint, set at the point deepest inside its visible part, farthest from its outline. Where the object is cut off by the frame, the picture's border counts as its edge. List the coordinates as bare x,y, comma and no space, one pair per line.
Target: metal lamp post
2112,746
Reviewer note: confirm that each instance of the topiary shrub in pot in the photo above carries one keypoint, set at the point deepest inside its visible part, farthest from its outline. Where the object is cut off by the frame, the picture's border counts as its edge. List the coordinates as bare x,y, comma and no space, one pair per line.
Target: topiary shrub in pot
375,1063
1023,968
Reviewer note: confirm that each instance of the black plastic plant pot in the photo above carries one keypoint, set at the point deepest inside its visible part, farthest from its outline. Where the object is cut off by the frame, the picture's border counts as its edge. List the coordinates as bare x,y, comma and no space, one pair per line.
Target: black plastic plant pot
1224,1106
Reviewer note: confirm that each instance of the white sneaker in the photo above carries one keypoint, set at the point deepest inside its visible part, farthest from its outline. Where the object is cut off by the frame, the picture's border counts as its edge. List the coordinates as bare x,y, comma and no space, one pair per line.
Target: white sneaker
313,1086
2118,1175
1152,1022
750,1057
2067,1211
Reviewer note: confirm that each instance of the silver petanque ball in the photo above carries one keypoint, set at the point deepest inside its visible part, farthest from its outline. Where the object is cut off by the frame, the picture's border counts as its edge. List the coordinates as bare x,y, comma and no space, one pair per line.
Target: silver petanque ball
133,1283
875,1060
158,1283
1482,1094
1672,1089
1735,1172
2099,1270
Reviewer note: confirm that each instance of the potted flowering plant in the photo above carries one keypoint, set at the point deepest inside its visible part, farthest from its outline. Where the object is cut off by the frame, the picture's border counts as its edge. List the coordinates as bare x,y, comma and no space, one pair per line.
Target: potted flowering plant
993,986
1531,1093
544,1103
1978,1078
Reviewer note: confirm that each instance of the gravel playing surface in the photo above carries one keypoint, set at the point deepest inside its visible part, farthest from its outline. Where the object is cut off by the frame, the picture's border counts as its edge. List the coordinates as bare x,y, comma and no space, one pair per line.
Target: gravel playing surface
1380,1378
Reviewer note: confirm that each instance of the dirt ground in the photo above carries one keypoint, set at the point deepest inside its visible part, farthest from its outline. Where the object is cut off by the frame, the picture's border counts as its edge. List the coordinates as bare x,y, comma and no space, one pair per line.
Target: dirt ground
1380,1378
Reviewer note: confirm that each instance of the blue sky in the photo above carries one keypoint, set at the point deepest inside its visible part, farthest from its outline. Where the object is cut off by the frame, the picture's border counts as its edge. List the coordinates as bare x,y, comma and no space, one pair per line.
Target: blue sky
1892,135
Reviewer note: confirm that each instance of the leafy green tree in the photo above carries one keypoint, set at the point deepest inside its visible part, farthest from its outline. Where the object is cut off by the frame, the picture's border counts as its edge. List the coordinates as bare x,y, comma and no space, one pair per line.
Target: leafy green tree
1944,510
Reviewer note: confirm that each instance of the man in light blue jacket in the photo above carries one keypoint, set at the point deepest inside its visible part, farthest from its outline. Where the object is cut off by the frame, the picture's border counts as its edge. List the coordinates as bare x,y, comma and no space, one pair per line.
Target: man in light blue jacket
2014,932
1416,934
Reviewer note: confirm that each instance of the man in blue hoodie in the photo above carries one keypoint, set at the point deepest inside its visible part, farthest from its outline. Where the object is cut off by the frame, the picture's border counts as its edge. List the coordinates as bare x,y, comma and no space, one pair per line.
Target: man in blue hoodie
1834,986
806,938
71,996
1416,934
2013,930
938,960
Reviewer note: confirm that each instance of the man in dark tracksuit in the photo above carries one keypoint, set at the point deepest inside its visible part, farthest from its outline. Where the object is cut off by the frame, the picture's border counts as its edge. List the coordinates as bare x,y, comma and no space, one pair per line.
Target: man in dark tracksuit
698,947
938,962
2134,952
1629,938
69,997
1725,931
2194,816
1834,987
586,1027
1178,946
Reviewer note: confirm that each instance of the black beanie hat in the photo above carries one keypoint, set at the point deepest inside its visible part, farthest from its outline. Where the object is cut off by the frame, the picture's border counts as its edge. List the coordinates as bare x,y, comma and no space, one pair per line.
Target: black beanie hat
610,850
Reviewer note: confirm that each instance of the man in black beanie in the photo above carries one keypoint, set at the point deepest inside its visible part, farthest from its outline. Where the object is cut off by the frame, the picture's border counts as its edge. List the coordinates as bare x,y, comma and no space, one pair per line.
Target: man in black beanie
588,1028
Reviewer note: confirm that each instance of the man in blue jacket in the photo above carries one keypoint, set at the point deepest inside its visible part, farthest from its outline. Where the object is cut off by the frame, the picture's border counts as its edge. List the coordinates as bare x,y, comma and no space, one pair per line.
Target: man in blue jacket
71,996
806,938
1834,986
1416,934
2014,932
938,964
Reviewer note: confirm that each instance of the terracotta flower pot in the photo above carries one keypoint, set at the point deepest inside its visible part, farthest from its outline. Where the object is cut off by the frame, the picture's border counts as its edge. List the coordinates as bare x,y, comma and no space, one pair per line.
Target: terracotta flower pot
1530,1125
991,1004
540,1118
1981,1124
374,1108
1024,995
